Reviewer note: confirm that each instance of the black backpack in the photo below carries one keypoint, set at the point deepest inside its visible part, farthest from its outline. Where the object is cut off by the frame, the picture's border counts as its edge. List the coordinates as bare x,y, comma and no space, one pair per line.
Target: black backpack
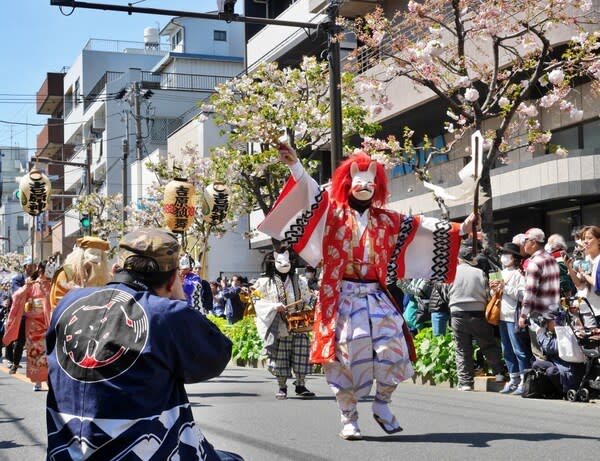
537,385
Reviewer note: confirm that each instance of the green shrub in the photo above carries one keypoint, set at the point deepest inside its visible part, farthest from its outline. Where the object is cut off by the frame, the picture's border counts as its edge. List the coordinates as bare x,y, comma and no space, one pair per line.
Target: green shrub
220,322
247,345
435,357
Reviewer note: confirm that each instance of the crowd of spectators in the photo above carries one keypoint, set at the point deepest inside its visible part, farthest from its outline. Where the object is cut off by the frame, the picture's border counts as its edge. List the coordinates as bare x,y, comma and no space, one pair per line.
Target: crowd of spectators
541,280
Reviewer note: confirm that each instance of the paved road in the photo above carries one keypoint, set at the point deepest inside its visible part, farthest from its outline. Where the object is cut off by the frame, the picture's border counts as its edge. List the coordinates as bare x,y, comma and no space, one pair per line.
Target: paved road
238,412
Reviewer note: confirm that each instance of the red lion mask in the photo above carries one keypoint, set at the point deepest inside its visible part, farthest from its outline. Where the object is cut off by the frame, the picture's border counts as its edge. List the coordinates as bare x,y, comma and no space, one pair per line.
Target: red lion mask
341,182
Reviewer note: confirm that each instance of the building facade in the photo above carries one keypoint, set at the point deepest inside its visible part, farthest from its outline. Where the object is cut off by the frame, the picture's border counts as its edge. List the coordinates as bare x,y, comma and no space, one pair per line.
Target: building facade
533,189
139,92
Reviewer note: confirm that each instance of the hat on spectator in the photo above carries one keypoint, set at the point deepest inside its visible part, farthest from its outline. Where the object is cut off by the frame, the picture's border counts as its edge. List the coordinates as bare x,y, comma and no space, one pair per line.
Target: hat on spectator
535,234
27,261
465,253
511,248
519,239
157,244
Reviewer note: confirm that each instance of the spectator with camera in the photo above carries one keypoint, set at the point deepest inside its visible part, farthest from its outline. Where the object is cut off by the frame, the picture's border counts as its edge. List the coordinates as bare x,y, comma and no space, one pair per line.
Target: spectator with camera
561,374
234,305
585,276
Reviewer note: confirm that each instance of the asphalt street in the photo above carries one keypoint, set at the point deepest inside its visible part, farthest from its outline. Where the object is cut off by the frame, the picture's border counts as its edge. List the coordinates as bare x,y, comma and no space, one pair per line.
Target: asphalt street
238,412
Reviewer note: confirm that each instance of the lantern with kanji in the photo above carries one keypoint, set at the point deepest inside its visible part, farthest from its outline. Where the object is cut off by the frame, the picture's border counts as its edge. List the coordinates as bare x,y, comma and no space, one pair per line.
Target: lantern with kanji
34,192
179,202
215,203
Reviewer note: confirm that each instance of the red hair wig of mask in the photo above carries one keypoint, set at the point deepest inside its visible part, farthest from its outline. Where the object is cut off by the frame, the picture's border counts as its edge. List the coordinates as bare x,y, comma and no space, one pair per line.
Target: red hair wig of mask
341,182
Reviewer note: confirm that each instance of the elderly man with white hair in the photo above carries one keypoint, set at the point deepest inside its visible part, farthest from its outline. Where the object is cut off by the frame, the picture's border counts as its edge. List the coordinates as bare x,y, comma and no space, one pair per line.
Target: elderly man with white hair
557,247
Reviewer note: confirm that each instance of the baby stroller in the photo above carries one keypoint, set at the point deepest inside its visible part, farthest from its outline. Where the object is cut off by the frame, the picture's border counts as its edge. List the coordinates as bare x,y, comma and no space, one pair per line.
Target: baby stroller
586,326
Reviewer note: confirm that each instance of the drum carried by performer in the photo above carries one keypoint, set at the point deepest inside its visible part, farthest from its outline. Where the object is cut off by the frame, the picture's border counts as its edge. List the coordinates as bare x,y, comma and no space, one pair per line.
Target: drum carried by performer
284,313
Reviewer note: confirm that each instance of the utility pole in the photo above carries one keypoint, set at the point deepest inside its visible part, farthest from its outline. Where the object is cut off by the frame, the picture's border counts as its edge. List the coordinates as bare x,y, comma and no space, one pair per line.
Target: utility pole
88,170
335,91
124,172
137,95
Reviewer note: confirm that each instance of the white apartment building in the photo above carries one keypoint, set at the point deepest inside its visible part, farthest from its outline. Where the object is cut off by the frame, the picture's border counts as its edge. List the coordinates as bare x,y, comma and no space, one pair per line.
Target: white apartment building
99,92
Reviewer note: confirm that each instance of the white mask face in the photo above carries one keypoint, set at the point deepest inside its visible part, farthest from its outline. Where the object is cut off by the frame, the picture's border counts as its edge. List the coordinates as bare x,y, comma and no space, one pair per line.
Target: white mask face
282,262
363,182
507,260
548,248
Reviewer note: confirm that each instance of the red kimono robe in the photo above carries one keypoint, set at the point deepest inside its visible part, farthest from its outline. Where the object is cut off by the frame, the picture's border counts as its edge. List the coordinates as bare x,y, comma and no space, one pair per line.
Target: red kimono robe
32,302
318,229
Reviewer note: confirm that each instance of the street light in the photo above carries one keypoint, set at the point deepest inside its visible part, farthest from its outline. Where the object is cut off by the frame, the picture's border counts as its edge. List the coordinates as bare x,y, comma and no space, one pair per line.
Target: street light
226,6
226,12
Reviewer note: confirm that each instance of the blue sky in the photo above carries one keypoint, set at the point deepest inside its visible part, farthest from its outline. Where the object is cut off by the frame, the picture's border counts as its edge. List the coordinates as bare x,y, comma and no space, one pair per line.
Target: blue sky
36,38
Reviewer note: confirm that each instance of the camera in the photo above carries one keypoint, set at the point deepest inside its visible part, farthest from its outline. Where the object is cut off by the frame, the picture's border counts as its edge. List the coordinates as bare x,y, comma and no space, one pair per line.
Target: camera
582,265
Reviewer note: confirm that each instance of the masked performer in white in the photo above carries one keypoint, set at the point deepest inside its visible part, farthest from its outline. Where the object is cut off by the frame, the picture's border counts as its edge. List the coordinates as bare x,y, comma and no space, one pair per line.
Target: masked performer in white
282,291
359,334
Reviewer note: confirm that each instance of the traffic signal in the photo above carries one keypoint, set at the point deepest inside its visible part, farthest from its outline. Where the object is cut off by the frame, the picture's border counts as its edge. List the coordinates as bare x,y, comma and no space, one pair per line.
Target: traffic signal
85,220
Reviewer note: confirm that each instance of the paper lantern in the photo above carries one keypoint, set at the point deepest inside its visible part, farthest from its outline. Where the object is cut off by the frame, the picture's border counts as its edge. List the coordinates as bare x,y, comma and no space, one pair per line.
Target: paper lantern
34,192
215,203
178,208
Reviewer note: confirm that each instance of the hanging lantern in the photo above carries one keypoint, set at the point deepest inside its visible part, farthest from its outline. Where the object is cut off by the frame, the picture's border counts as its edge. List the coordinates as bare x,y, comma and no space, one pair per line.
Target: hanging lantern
178,208
215,203
34,192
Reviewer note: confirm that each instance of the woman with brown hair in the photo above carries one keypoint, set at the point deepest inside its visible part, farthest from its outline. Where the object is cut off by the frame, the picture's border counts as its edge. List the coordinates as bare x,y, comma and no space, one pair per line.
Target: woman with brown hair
587,282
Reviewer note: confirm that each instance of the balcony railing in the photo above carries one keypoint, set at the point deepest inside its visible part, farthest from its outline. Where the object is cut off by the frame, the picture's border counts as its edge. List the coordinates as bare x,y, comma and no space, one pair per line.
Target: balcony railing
99,88
124,46
165,81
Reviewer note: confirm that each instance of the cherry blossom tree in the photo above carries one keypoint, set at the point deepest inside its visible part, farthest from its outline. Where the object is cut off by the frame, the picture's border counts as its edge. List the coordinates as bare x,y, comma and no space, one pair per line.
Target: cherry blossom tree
11,262
258,110
105,212
495,64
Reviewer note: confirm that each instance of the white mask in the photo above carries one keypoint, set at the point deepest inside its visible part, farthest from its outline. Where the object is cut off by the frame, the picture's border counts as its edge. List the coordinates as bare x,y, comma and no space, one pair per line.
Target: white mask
282,262
548,248
506,260
363,182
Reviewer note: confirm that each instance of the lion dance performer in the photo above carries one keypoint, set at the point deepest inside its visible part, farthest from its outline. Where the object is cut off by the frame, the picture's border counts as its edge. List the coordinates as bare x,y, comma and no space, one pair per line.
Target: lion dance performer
282,290
359,334
85,266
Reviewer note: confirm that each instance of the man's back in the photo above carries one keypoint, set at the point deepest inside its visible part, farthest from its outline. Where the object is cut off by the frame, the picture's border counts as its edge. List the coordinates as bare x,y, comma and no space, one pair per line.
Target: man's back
119,358
469,290
542,282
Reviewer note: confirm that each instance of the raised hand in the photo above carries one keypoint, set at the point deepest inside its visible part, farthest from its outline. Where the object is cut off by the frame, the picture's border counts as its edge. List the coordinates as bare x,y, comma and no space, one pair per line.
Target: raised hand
287,154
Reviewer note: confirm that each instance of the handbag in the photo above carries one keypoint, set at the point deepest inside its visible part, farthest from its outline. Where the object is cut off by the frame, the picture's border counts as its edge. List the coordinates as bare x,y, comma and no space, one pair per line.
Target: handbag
492,309
568,348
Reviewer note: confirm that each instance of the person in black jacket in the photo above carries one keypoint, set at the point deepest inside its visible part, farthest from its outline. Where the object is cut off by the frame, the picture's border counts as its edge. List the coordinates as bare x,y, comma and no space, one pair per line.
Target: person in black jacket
234,307
438,307
130,348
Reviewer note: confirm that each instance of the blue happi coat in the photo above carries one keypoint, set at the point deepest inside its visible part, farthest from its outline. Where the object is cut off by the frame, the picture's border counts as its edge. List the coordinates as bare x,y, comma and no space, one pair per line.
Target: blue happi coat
119,357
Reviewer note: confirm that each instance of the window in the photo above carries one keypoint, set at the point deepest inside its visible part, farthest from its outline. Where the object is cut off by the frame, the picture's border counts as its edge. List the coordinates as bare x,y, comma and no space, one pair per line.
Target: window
583,136
567,138
76,93
421,157
220,35
176,39
21,223
591,134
